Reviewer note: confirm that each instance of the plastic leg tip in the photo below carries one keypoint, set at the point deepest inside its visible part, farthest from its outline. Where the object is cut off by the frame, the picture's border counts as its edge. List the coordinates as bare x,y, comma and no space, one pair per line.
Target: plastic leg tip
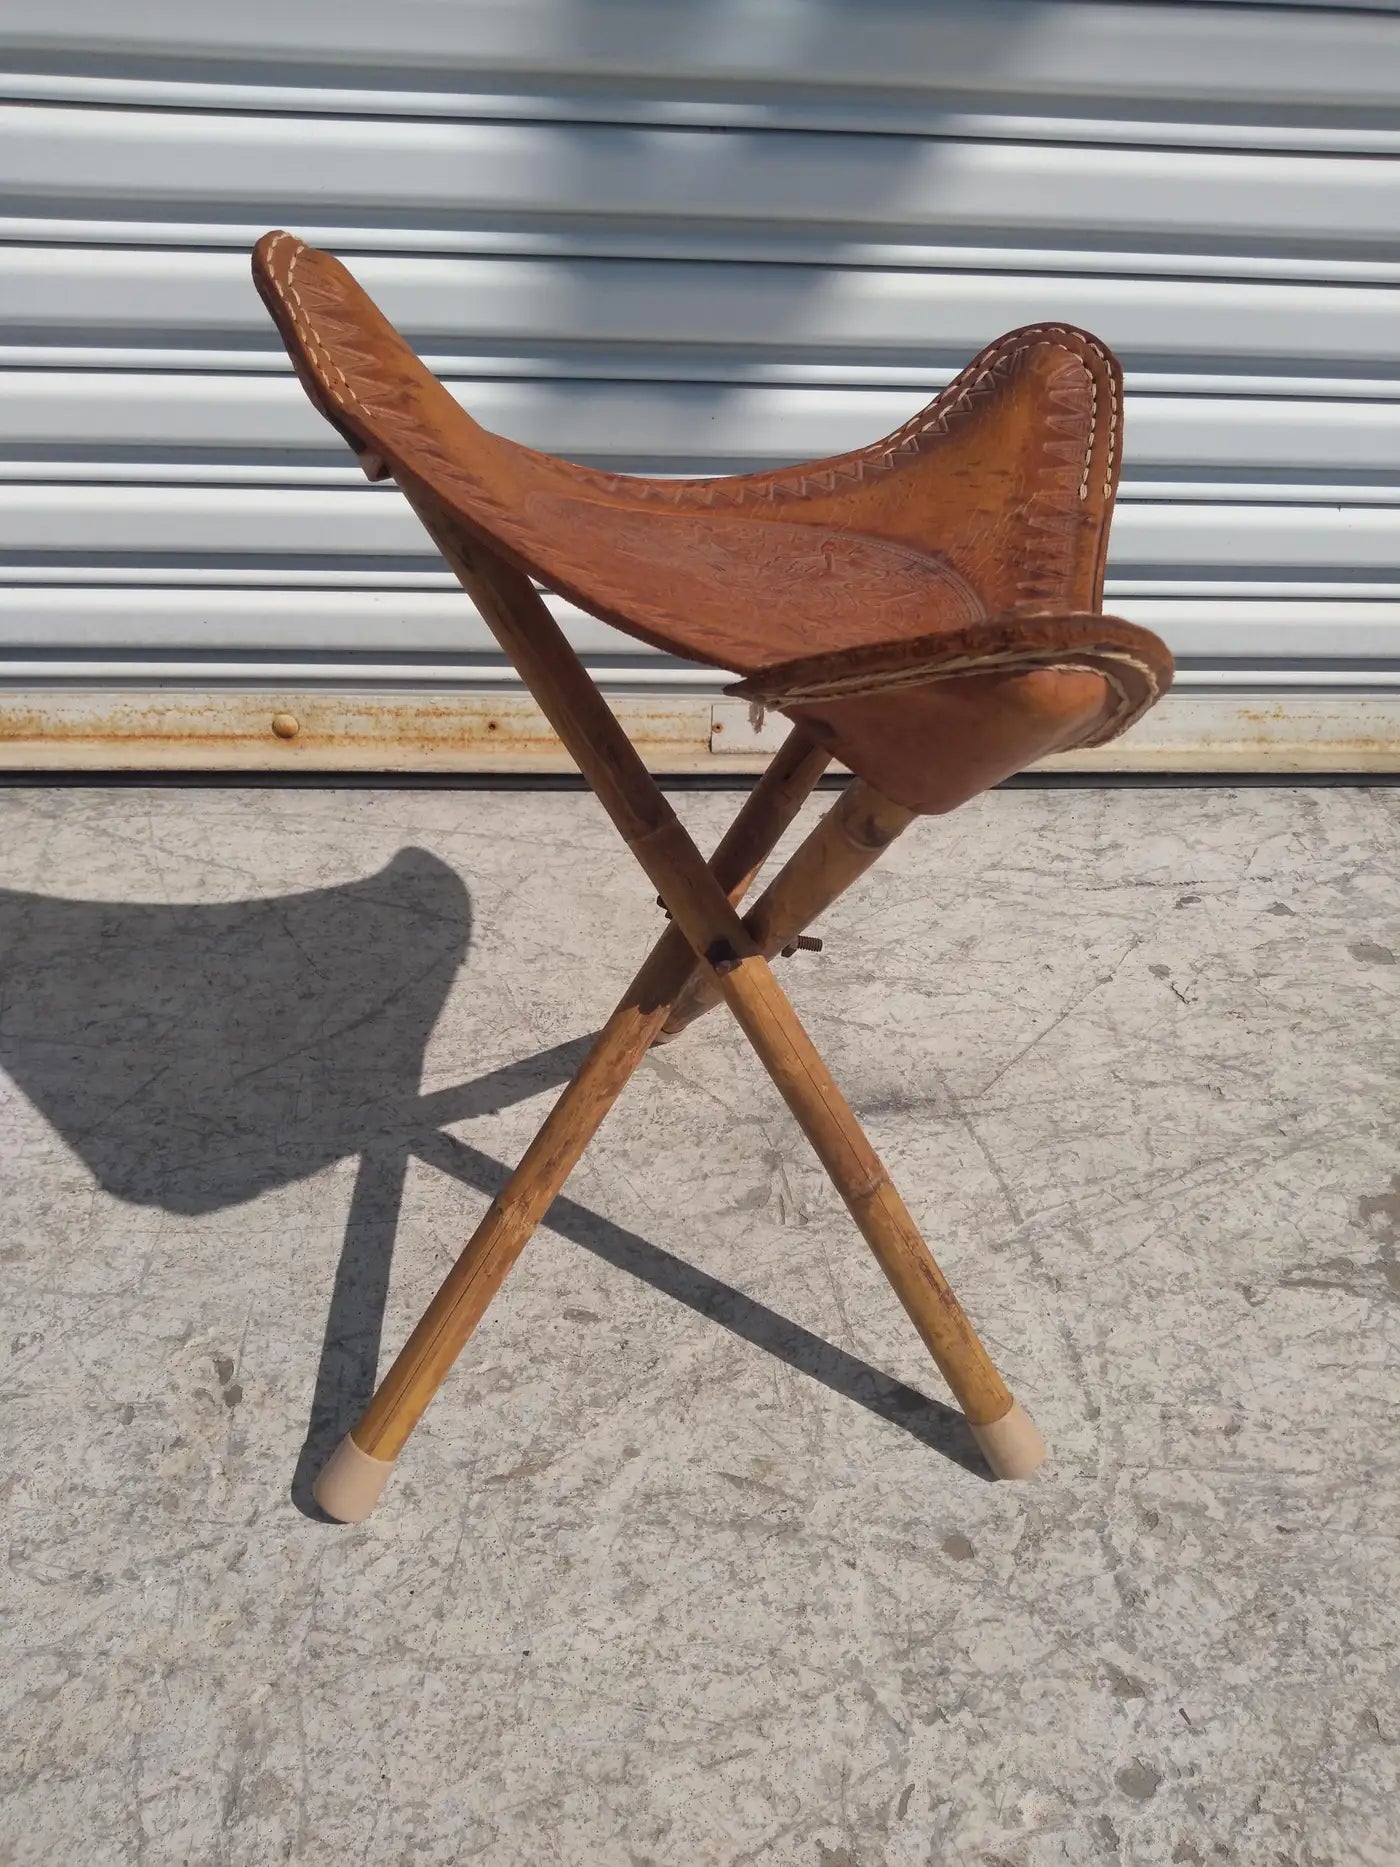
1012,1445
351,1482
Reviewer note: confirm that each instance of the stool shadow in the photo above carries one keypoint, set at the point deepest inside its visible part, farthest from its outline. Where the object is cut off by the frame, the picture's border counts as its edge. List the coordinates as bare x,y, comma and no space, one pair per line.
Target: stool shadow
196,1057
933,1422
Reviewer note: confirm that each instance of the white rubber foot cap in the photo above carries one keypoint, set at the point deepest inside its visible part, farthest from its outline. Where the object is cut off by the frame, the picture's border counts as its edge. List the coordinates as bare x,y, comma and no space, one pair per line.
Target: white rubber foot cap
351,1482
1012,1445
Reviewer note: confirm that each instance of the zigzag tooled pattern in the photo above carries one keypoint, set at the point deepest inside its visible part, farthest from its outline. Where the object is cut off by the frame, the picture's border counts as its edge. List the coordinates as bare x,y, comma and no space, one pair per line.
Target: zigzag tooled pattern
1062,482
334,336
1051,513
785,484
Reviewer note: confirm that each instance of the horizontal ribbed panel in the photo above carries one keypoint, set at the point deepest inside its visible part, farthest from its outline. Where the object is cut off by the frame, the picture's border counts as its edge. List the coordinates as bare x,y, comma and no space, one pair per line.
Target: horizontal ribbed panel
722,313
182,621
775,184
792,53
681,241
728,427
375,523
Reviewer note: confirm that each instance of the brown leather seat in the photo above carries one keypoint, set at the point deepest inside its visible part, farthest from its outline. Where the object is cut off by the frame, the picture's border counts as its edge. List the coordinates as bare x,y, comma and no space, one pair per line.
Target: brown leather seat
927,606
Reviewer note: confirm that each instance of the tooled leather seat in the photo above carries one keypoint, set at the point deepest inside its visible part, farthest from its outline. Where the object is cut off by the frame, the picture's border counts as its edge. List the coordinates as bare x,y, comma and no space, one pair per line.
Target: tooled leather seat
926,606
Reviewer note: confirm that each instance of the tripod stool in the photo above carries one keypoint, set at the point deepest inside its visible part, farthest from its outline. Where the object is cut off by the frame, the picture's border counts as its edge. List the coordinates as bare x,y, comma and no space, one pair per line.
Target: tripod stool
925,610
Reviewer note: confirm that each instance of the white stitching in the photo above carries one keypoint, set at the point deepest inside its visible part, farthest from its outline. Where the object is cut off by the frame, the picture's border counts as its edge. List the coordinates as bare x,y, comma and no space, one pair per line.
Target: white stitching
1091,343
945,410
897,680
972,663
1009,661
331,372
888,454
1024,340
942,410
1093,422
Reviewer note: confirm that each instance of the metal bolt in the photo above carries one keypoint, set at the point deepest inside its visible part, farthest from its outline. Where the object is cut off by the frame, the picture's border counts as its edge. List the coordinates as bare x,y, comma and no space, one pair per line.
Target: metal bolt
722,957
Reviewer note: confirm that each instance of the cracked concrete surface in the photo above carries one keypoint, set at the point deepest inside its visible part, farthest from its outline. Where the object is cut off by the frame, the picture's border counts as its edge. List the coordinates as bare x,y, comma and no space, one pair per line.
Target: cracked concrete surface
690,1563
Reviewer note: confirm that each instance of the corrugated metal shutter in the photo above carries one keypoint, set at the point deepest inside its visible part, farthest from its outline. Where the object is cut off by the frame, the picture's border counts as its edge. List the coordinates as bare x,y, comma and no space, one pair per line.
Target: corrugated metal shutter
692,239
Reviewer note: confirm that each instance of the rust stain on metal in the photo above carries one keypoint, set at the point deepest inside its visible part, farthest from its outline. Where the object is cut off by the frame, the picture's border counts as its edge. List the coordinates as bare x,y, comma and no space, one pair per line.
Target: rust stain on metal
229,730
323,730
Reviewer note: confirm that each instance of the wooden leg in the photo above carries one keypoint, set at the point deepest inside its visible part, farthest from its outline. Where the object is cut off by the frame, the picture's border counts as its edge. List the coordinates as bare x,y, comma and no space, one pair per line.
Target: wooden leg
704,914
350,1483
853,835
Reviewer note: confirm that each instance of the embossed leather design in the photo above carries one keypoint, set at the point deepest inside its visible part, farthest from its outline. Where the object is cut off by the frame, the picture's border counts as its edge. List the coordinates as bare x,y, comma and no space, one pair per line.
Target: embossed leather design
924,603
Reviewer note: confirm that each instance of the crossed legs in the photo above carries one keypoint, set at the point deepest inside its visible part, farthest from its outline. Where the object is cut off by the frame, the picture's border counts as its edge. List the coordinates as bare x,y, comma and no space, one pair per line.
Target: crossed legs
357,1471
706,926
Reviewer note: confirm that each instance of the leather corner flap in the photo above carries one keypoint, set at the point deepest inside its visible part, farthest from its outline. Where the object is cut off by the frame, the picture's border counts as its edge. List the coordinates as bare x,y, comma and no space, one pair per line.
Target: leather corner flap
931,723
275,260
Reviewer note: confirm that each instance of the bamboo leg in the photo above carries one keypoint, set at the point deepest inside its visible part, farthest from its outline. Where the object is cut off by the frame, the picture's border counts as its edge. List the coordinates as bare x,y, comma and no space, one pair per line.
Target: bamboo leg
853,835
702,911
353,1478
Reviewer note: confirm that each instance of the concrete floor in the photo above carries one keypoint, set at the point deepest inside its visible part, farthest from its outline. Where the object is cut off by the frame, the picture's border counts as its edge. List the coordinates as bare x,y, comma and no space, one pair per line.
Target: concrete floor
683,1567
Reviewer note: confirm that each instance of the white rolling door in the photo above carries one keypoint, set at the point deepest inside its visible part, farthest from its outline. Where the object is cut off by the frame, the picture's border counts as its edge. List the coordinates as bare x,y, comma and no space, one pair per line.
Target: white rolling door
677,239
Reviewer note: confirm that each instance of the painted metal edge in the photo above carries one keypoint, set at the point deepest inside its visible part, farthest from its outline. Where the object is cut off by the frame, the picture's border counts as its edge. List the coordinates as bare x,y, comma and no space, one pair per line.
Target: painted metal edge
266,730
1271,732
270,730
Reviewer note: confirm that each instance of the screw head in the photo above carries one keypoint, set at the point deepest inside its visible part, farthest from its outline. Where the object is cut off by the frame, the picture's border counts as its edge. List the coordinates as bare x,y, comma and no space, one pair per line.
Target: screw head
286,725
722,956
